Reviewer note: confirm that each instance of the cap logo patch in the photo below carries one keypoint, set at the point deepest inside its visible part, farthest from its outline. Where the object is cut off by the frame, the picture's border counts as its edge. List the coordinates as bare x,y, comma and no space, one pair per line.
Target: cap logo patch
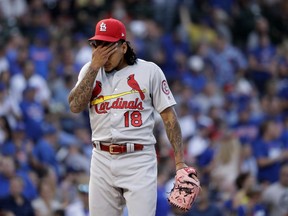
165,87
122,35
102,27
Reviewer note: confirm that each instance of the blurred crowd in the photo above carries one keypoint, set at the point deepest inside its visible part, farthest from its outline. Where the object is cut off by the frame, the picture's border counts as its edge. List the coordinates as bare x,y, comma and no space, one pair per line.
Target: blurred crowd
227,65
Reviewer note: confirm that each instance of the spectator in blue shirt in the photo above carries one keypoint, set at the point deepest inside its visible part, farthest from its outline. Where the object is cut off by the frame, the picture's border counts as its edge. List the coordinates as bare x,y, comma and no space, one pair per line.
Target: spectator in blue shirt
19,147
46,147
17,54
194,76
40,53
15,201
246,128
262,63
33,113
7,172
227,61
175,50
67,65
270,152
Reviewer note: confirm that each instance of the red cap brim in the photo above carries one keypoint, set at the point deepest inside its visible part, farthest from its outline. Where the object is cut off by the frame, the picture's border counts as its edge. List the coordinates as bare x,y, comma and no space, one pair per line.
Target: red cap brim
104,38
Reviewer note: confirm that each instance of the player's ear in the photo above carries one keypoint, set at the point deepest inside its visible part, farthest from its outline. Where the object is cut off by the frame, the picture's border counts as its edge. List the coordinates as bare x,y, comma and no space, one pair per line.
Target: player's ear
124,47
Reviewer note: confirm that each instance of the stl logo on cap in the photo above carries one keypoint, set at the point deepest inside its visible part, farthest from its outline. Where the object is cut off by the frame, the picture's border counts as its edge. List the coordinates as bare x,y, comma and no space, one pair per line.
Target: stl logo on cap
110,30
102,27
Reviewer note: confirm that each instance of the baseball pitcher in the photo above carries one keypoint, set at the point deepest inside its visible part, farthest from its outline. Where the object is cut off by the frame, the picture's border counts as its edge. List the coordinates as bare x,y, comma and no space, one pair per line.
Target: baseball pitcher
122,93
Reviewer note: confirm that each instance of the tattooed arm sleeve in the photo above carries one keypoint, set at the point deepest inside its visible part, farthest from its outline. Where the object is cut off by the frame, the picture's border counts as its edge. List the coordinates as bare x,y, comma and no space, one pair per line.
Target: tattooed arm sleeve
173,131
80,95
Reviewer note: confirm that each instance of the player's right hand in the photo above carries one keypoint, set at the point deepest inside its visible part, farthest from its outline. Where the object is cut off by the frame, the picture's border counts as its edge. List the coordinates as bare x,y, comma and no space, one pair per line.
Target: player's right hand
101,54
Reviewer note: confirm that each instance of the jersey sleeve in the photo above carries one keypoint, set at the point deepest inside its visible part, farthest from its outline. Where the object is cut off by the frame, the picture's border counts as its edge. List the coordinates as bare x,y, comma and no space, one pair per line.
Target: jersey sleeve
162,96
82,72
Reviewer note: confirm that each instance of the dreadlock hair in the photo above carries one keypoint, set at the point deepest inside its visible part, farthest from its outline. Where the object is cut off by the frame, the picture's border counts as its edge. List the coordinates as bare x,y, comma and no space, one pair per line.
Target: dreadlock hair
130,56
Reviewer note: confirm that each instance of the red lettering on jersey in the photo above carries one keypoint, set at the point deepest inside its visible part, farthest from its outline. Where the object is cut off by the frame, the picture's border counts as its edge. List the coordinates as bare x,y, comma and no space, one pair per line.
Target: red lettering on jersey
100,109
119,103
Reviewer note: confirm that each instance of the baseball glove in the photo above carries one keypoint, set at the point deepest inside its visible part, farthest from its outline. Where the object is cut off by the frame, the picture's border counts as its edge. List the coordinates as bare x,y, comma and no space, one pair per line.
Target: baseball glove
184,191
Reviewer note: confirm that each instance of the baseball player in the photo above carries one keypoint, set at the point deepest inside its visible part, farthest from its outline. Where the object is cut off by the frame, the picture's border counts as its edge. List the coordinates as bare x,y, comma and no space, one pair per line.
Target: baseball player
122,93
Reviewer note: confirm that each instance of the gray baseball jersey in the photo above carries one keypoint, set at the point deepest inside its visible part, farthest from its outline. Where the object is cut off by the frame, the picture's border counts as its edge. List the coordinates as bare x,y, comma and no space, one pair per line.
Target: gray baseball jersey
123,103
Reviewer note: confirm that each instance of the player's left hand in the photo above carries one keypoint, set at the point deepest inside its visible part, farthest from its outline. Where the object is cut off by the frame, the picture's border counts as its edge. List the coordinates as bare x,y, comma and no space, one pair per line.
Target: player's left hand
185,191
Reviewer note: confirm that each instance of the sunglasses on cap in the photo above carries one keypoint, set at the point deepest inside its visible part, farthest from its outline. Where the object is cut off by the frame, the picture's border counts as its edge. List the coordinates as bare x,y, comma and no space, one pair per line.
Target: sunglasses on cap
96,43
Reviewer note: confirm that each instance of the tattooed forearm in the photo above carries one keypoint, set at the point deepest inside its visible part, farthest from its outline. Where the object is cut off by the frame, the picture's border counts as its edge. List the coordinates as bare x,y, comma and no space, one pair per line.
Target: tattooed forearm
80,96
173,131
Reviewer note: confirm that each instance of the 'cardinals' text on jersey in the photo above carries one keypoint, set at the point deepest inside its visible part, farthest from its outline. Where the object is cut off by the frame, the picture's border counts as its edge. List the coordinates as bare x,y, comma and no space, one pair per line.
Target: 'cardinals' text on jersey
124,102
